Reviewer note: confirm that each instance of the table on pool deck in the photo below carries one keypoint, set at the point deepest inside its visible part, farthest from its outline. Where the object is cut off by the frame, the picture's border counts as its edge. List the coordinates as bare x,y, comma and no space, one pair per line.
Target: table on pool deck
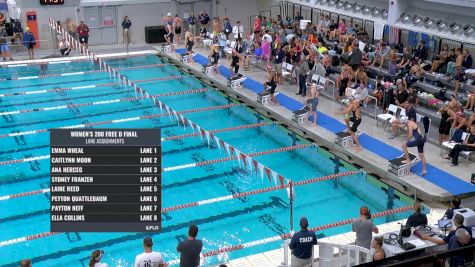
392,250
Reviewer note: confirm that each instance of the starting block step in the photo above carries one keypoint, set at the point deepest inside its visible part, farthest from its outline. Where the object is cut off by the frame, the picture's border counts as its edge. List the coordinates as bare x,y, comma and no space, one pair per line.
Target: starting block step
300,116
344,138
236,81
185,58
401,169
208,69
167,48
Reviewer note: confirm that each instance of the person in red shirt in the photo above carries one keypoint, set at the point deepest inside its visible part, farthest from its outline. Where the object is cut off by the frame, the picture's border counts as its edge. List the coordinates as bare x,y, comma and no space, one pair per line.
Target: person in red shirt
83,32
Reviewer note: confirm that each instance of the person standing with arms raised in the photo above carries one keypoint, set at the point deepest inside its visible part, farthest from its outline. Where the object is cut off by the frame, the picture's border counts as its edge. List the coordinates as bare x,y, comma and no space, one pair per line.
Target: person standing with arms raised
190,249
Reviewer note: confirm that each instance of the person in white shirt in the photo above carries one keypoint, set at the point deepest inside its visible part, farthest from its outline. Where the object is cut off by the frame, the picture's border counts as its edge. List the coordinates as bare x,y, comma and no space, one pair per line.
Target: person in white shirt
267,36
238,31
95,260
149,258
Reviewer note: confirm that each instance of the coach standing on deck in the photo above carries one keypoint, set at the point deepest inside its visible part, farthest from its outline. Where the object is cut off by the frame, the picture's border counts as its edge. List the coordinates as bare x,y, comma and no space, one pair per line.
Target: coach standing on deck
302,245
190,249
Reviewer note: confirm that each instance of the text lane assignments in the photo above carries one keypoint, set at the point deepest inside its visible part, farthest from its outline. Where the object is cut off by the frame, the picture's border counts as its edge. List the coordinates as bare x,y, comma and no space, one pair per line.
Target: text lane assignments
105,180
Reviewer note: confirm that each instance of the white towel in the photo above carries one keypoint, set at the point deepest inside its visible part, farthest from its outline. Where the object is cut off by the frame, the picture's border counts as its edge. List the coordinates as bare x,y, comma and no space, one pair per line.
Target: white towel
378,31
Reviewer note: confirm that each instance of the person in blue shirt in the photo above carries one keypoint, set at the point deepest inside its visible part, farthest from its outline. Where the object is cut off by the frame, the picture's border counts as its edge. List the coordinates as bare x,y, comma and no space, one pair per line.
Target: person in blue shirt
204,19
29,42
192,23
302,244
126,24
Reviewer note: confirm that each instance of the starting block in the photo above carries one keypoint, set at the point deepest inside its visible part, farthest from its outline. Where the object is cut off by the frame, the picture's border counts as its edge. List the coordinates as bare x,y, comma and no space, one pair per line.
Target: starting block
185,58
236,81
263,97
166,48
208,69
401,169
344,138
300,116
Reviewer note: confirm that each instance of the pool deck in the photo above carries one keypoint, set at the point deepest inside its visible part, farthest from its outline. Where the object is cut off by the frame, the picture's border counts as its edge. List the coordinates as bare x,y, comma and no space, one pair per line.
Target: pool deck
372,162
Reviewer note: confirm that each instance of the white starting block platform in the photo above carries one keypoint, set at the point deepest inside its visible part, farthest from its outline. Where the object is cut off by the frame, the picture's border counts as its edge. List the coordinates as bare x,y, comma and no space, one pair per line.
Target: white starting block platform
344,139
401,169
185,58
235,82
167,48
300,116
263,97
208,69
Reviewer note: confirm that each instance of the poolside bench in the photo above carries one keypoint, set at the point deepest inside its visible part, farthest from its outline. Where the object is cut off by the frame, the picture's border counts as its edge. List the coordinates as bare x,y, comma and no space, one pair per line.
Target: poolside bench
449,145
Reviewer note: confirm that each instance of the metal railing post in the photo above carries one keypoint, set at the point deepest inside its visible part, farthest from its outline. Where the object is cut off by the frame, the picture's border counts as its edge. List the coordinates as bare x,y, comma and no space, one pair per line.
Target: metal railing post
285,262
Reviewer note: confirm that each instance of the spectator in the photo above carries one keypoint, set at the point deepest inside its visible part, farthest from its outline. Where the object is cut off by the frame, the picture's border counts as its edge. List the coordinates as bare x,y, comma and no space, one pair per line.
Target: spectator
257,25
361,93
444,126
470,105
364,227
420,52
190,249
466,145
26,263
17,32
238,31
29,42
64,47
149,258
454,205
83,32
381,54
458,223
304,70
409,106
377,245
342,83
204,19
440,60
177,25
405,61
4,49
401,93
126,24
298,17
95,260
222,42
302,244
417,218
392,67
228,29
467,59
279,56
355,56
192,23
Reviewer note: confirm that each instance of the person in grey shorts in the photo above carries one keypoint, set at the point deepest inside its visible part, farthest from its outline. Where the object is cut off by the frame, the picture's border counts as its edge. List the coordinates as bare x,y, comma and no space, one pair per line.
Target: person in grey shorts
364,228
301,245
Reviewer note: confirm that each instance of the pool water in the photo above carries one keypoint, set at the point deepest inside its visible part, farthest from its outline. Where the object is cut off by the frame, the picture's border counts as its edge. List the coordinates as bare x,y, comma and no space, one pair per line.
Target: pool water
225,223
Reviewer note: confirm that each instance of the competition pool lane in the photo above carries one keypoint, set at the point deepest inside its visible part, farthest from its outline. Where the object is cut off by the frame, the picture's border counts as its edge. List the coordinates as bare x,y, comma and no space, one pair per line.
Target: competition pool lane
221,224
